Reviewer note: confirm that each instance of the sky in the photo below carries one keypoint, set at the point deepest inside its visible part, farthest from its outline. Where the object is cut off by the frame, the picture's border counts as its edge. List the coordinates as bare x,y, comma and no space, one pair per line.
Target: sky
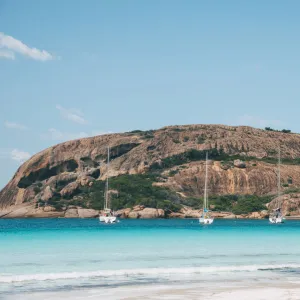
77,68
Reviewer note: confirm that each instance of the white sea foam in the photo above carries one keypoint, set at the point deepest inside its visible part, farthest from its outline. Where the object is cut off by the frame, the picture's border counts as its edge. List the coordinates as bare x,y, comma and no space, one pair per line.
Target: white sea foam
141,272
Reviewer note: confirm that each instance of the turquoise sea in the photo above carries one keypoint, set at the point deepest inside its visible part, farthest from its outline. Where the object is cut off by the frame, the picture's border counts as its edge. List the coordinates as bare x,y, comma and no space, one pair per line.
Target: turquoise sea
46,255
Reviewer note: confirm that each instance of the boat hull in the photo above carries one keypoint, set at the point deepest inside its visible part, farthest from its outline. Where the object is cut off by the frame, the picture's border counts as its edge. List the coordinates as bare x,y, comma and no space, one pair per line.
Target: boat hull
206,221
109,219
276,220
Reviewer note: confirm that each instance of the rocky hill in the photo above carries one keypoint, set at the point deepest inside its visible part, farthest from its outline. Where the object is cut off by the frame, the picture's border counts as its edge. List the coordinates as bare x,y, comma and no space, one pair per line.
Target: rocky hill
159,169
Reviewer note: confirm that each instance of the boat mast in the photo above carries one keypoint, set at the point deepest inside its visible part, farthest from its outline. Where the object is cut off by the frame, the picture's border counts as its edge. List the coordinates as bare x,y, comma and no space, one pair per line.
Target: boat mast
205,185
106,193
278,173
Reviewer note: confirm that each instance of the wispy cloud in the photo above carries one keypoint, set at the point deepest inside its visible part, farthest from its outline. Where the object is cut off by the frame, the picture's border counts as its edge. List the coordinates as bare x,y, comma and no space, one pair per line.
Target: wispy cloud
12,46
19,155
99,132
14,154
13,125
73,115
7,54
57,135
257,121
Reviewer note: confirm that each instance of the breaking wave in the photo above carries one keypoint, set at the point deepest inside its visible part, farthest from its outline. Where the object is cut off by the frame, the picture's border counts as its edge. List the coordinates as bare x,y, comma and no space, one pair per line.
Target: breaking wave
143,272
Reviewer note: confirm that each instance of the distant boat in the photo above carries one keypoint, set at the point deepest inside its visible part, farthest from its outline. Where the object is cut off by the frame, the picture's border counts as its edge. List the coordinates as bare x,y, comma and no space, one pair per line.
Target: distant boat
276,216
206,217
107,216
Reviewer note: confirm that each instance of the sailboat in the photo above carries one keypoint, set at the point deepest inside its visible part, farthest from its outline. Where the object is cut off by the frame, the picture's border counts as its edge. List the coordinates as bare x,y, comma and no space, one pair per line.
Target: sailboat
107,215
276,215
206,217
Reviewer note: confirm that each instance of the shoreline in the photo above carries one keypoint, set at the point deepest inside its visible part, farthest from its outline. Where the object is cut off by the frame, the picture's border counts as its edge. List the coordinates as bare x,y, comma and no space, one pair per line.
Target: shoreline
236,290
28,210
176,218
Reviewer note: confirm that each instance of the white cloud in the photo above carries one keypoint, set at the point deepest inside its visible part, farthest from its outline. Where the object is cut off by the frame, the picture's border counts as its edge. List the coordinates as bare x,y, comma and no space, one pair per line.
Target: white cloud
7,54
57,135
15,46
13,125
19,156
100,132
73,115
257,121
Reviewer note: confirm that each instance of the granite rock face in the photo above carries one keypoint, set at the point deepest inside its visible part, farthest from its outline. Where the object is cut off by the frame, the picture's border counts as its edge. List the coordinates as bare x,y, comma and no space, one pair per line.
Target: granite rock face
289,203
61,169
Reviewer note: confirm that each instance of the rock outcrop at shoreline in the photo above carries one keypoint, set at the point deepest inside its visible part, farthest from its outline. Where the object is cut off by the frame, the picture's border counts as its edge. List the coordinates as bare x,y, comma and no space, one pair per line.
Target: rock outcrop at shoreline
243,161
27,210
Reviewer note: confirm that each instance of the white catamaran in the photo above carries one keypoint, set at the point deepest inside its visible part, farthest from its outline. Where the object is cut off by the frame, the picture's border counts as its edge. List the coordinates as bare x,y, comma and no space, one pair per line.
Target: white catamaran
107,215
206,217
276,215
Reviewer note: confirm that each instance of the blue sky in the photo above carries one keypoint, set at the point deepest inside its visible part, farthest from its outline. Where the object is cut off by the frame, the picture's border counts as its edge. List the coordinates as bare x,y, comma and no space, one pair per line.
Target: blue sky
79,68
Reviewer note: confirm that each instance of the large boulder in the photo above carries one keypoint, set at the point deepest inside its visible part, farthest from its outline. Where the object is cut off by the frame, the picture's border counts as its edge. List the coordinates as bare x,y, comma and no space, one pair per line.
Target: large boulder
239,163
150,213
264,214
138,207
69,189
290,204
254,215
220,214
48,208
47,194
190,213
61,179
93,172
87,213
85,180
133,215
243,216
71,213
176,215
122,213
229,216
160,213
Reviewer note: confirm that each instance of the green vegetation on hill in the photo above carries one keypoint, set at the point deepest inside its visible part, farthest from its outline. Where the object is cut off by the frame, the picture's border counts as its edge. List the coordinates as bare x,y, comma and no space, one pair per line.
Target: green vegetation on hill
214,154
250,203
127,191
239,204
130,190
188,156
148,134
283,130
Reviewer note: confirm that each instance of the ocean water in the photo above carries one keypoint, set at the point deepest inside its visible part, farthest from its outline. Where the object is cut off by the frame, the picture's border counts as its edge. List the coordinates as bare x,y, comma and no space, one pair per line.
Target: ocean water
47,255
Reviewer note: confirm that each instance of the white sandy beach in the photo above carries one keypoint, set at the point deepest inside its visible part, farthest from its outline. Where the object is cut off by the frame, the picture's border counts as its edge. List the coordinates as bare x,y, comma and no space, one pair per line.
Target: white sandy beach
285,292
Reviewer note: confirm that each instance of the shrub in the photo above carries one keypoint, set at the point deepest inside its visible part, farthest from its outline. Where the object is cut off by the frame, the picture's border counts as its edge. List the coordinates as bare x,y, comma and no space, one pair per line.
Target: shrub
173,172
269,129
283,130
136,131
224,202
186,138
200,139
192,155
149,134
249,203
36,189
132,190
167,205
196,203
